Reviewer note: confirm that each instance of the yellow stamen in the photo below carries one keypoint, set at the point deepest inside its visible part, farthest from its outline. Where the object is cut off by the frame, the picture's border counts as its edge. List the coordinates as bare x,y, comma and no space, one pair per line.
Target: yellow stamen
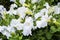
29,12
27,5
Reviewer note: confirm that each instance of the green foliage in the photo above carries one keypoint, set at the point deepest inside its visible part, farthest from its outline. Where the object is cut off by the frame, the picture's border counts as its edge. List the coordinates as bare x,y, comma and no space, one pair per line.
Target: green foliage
16,36
7,20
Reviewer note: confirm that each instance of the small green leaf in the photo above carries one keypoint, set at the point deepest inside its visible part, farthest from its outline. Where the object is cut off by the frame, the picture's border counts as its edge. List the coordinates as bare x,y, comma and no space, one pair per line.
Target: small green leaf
53,29
49,35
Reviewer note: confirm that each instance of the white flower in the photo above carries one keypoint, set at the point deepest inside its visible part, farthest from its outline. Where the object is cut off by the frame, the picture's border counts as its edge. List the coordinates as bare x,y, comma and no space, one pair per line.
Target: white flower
20,25
2,9
0,38
2,28
13,6
58,4
6,33
21,11
17,24
10,29
28,21
47,5
26,31
43,21
12,11
22,1
12,0
34,1
41,13
14,23
28,25
46,17
56,10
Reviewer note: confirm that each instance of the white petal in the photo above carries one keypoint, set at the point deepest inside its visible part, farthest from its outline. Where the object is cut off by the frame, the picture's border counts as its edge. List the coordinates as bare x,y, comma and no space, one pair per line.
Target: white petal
7,34
41,24
12,0
28,25
0,38
21,11
57,10
34,1
47,5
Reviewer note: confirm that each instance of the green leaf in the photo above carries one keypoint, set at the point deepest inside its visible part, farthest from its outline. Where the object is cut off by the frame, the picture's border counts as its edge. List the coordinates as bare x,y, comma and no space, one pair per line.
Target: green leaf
49,35
20,37
53,29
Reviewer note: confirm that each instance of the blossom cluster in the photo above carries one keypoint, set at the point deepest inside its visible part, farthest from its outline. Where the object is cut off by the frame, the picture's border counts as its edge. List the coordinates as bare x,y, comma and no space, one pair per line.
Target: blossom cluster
27,17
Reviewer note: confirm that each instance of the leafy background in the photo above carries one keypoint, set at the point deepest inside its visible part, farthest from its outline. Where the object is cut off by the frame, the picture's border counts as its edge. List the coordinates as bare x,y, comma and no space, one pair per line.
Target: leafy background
51,32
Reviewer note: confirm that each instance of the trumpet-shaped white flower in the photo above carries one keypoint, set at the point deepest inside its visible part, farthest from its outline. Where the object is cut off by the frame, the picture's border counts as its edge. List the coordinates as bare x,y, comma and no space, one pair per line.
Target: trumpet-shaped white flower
10,29
17,24
41,13
26,31
13,6
12,11
2,9
14,23
6,33
2,28
21,11
46,17
57,10
43,21
28,25
47,5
